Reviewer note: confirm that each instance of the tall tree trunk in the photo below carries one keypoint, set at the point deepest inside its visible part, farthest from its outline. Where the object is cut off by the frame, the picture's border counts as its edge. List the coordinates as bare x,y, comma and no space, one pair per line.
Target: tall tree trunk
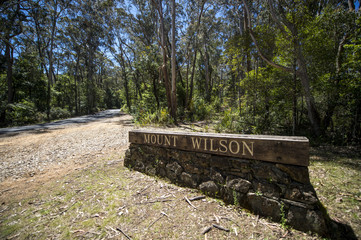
9,73
174,67
294,97
190,96
313,114
333,101
207,75
192,78
125,79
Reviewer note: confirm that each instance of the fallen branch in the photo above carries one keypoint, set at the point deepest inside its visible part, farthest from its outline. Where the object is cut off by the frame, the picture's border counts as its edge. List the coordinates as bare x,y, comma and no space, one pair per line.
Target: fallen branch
197,198
221,228
120,230
65,210
141,191
163,214
235,231
217,219
207,230
189,202
154,201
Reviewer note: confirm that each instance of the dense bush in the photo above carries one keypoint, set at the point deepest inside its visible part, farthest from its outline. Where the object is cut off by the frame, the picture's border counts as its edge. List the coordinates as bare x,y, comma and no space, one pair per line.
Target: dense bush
161,117
21,113
59,113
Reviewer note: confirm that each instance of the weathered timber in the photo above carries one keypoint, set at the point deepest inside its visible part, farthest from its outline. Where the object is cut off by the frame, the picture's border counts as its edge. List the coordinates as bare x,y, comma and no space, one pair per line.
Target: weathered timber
278,149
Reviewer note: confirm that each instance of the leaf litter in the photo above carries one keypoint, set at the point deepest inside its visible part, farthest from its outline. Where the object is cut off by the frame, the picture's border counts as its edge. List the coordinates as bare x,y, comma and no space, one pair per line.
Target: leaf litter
79,189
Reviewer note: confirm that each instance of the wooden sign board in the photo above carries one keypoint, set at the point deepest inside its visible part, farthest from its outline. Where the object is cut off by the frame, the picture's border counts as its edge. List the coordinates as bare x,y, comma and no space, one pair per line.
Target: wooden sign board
277,149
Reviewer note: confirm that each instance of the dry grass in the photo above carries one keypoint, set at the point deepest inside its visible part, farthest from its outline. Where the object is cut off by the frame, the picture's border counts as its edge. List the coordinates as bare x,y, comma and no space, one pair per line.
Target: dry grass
98,200
92,196
336,176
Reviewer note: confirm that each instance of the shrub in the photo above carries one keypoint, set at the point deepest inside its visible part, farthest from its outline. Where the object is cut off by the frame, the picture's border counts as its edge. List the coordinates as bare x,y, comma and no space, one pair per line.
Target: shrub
161,117
230,122
201,109
21,113
59,113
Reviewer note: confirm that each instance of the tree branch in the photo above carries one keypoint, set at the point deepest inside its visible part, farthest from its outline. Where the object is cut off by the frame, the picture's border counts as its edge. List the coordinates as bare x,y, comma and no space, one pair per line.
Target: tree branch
260,53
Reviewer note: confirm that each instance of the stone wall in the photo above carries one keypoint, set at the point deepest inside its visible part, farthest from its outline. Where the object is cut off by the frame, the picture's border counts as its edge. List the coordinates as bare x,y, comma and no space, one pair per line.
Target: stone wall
273,190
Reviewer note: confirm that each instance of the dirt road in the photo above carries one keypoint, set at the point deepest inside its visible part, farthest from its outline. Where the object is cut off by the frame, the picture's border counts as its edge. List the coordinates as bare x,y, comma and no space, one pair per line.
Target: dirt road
31,157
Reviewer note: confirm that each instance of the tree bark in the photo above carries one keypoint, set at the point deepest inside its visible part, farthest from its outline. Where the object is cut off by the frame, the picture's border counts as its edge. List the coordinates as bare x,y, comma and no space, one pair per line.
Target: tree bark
190,97
162,43
9,73
174,67
207,75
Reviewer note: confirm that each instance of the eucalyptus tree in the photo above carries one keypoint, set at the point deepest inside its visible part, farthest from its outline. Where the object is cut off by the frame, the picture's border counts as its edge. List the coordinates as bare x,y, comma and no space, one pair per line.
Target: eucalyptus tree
92,21
12,16
45,16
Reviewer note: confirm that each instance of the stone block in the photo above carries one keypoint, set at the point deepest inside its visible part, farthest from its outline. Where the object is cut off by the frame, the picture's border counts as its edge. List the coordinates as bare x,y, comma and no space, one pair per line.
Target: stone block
264,206
240,185
301,193
188,180
216,176
209,188
267,189
307,220
173,170
297,173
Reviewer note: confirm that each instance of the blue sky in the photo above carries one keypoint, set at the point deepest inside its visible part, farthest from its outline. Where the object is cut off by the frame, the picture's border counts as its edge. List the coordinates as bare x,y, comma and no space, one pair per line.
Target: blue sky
357,4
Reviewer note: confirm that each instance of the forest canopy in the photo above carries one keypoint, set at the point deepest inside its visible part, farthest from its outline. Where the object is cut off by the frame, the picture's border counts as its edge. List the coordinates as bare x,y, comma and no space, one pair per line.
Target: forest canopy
257,67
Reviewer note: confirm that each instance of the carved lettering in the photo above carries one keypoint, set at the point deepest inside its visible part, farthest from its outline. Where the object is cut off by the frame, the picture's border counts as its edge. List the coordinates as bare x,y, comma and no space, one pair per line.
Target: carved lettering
166,140
175,138
263,148
153,139
146,138
223,144
205,144
160,139
196,142
250,150
230,147
213,150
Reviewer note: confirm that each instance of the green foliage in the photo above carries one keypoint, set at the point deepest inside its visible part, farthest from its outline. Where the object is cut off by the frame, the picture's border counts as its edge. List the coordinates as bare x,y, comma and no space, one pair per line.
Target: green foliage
229,122
160,117
22,113
283,217
59,113
201,110
221,75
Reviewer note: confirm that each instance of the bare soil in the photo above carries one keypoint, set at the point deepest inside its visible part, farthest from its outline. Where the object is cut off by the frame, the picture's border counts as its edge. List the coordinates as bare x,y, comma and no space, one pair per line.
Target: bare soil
70,183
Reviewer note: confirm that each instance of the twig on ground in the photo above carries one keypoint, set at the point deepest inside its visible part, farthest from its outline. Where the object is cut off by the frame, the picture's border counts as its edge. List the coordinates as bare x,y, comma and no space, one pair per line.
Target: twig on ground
235,231
141,191
65,210
284,235
154,201
163,214
220,228
217,219
207,230
120,230
189,202
197,198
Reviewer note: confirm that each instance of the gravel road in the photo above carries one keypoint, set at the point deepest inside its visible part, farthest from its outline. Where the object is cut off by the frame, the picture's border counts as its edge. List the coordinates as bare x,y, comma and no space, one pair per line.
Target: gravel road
31,150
